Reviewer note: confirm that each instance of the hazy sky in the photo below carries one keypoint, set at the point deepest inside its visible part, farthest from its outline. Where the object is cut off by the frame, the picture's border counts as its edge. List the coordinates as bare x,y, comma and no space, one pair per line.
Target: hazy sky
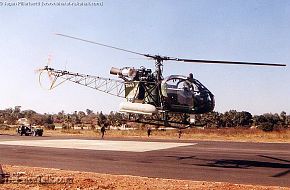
240,30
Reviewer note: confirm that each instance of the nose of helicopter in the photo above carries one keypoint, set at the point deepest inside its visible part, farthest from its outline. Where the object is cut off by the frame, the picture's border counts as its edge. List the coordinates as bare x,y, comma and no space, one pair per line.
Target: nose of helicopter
204,104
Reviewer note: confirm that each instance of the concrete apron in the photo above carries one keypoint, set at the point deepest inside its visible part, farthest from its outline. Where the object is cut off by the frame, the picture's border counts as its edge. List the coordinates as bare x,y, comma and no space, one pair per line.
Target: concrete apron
129,146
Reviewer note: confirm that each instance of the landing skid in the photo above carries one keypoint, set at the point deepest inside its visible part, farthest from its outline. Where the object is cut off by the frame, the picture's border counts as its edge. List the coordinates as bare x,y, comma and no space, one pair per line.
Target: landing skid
176,120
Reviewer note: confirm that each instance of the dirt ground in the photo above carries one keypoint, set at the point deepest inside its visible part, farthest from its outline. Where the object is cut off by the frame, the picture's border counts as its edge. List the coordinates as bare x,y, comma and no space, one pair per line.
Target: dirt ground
35,178
85,180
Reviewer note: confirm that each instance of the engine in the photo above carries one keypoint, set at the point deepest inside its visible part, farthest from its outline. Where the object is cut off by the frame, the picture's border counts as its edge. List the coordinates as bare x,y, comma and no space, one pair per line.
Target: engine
128,73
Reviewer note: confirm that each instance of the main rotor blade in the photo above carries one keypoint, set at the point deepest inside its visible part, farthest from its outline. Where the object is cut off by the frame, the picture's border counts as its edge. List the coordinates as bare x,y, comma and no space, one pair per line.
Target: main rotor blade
225,62
100,44
159,58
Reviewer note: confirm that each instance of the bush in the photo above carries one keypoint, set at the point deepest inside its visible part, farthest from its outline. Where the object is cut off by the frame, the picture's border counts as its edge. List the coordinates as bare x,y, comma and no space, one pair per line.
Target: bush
4,127
266,126
49,126
280,127
93,127
71,131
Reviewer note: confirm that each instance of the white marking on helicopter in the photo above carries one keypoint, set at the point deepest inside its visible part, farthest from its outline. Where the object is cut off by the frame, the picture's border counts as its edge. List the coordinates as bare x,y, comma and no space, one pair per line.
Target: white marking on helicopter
130,146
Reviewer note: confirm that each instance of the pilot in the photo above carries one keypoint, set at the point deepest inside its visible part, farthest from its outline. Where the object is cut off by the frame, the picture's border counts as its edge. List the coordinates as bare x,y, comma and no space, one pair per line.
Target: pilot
190,77
22,130
187,83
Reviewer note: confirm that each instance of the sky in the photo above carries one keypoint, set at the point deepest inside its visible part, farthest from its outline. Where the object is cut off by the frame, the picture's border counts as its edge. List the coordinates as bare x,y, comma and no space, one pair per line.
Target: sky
240,30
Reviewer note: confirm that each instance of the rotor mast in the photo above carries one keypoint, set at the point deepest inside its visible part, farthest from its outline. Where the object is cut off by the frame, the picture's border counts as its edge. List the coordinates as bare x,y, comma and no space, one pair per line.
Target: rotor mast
159,77
158,68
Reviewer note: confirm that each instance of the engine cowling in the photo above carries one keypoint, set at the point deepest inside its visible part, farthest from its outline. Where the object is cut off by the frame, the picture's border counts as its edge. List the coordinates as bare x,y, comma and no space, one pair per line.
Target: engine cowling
125,72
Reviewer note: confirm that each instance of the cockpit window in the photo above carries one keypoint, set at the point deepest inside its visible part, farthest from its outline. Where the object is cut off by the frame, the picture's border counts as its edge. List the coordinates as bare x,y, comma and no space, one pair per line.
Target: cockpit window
173,83
183,93
179,84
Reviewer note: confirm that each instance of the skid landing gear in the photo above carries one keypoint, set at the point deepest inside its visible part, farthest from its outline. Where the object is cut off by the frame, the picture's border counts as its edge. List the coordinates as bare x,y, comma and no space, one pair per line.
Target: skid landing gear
179,121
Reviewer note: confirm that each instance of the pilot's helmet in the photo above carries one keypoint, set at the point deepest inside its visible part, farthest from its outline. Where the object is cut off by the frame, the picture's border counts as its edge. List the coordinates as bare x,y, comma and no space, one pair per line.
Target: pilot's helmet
190,76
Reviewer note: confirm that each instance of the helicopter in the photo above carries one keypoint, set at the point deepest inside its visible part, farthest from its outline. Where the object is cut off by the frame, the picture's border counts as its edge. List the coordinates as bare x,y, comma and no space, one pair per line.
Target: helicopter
171,101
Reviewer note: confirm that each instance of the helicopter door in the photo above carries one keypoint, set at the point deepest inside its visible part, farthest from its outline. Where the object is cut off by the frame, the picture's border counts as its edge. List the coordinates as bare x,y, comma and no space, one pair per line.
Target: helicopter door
179,95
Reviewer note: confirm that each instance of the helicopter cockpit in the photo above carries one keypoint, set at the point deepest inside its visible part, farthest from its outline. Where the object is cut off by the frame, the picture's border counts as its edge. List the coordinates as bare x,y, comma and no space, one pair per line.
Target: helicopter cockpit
186,94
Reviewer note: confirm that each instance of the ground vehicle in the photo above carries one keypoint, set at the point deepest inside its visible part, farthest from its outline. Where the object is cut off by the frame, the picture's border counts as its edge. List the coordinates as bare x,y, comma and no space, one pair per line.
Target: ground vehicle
29,131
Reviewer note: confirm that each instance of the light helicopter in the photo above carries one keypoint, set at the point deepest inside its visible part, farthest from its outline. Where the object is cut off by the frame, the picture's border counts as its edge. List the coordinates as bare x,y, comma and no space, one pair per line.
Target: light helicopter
151,98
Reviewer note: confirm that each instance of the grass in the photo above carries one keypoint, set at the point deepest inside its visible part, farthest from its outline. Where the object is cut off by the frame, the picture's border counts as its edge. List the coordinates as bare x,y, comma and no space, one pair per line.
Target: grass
229,134
10,131
238,134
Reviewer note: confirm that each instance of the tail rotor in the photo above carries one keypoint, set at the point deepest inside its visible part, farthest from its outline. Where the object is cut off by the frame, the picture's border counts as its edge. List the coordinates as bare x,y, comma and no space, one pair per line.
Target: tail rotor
45,75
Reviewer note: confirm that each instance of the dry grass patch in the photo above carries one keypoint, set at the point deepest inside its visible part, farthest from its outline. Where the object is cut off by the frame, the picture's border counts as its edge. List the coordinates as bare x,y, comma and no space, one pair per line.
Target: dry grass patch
88,180
225,134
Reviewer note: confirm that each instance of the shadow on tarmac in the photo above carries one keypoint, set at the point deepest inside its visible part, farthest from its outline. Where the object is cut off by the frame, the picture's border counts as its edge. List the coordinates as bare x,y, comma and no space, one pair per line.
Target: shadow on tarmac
242,164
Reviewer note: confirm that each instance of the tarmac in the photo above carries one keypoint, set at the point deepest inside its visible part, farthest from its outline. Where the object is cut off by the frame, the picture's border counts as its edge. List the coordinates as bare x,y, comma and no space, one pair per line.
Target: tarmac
234,162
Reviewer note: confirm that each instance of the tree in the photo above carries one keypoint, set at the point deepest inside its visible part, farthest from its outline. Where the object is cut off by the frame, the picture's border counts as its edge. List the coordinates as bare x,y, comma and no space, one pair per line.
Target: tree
283,118
115,119
37,119
10,116
89,112
268,121
244,119
49,119
48,124
102,119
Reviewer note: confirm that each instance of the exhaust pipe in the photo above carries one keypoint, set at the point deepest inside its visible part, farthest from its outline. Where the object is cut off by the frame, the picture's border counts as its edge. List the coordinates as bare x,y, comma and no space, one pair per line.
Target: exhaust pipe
115,71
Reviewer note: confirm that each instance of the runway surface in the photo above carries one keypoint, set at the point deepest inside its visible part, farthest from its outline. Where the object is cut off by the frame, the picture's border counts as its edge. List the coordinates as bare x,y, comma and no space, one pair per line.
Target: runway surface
247,163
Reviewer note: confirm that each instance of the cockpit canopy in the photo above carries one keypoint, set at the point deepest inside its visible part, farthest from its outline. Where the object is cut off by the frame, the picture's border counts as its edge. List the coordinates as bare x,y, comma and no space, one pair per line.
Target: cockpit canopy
186,94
